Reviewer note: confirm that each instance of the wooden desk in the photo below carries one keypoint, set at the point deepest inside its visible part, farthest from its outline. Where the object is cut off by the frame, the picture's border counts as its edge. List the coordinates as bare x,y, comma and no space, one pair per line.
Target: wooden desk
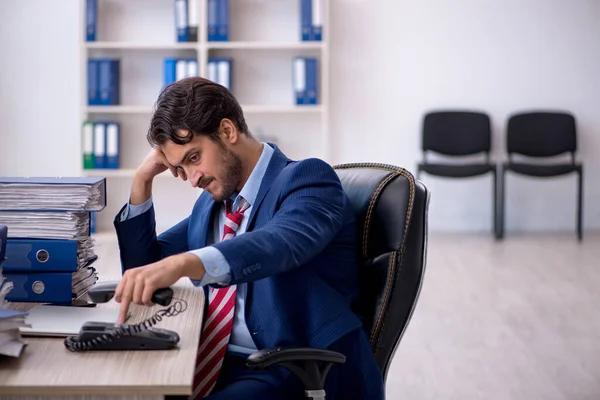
46,368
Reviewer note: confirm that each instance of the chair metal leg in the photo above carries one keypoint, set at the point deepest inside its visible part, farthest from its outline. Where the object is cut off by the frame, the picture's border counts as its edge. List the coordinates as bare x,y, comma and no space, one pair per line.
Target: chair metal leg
495,203
580,205
315,394
501,201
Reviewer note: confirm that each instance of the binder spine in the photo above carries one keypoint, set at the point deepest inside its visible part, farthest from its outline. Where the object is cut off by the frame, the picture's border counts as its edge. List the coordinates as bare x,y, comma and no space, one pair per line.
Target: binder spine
88,145
305,19
55,287
99,144
212,20
224,72
170,64
112,145
299,78
311,81
39,255
193,20
91,20
223,20
317,20
93,80
181,20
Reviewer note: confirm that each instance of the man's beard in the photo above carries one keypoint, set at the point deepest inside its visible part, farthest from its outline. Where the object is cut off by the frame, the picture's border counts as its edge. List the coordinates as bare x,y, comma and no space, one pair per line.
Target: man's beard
231,173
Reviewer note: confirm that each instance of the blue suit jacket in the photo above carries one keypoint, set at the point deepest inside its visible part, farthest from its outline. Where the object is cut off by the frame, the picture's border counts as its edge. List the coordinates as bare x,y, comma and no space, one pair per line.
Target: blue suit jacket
298,256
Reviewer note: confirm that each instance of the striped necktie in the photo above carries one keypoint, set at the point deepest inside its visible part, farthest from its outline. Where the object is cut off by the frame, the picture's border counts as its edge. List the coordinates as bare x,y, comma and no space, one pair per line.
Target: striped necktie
219,319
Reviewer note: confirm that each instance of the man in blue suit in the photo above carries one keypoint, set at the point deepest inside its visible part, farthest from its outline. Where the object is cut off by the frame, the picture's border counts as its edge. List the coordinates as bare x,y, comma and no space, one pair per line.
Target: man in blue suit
286,256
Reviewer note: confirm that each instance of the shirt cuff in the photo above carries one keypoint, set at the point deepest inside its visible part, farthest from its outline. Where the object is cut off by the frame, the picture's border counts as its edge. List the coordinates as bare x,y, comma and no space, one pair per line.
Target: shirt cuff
217,269
132,211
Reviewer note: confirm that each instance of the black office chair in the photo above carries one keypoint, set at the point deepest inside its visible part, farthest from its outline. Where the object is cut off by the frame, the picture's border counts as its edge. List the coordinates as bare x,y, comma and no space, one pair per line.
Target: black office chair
391,211
459,133
542,134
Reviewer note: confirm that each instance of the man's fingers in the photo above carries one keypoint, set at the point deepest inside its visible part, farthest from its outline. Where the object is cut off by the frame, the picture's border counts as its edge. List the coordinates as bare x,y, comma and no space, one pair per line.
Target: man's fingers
138,289
123,309
120,288
147,295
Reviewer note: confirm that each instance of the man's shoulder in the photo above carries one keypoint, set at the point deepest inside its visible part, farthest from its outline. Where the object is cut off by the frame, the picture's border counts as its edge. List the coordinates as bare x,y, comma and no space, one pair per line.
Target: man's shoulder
307,168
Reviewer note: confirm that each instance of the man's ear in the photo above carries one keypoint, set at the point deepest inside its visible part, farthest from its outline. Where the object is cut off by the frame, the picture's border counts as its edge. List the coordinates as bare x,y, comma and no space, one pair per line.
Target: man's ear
229,131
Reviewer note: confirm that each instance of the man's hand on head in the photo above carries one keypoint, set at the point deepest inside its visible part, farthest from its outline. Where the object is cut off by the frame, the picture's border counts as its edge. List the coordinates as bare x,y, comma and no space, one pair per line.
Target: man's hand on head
139,284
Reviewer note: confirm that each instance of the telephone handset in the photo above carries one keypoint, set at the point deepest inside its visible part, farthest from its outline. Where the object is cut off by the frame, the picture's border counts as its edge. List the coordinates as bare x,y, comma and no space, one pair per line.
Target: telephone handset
142,336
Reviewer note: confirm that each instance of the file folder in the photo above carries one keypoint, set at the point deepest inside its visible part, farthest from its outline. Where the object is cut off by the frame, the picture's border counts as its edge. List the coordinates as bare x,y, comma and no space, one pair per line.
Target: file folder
181,20
305,19
193,20
91,20
48,255
47,224
170,75
99,145
317,19
299,78
212,20
92,84
52,287
112,145
223,20
88,145
3,239
108,81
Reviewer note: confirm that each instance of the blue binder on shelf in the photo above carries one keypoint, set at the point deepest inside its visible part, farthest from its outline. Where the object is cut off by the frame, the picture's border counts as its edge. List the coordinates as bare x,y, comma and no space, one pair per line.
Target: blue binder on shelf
299,79
99,145
42,255
113,147
92,77
169,71
181,20
52,287
222,20
91,20
312,85
108,81
305,19
316,25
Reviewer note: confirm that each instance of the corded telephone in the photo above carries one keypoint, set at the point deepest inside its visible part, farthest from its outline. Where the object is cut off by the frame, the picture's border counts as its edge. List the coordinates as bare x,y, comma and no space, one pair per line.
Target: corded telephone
142,336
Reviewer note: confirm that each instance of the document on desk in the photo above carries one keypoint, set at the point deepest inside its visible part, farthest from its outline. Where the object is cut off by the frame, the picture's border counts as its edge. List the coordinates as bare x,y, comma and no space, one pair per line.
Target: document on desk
62,321
53,193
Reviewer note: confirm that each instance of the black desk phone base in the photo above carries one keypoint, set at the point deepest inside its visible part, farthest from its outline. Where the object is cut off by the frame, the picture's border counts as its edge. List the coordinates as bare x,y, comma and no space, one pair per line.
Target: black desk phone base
142,336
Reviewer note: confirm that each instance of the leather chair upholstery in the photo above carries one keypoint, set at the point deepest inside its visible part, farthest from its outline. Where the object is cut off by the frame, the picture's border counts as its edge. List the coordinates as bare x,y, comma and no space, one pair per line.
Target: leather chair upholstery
391,211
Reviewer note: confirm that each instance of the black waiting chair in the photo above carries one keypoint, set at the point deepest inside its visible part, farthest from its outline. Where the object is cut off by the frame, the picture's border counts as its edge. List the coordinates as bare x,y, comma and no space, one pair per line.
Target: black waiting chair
391,211
541,135
459,134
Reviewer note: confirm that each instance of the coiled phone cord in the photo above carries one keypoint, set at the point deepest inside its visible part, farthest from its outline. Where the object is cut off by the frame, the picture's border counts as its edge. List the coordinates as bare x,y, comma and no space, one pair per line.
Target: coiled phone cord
177,307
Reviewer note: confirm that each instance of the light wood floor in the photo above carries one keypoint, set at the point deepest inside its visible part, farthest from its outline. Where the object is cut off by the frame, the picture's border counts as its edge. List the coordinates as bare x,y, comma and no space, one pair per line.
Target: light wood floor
517,319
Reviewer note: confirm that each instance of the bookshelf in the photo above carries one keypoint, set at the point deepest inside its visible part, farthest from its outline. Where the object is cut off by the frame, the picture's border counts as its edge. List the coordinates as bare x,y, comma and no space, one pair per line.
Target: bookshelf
264,37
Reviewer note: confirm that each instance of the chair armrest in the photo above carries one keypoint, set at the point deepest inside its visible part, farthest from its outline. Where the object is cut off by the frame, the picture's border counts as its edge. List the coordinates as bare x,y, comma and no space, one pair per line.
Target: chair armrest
267,357
309,365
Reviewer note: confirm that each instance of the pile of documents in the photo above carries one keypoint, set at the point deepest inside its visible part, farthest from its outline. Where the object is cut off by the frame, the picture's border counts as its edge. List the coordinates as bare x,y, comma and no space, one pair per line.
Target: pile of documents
11,343
50,250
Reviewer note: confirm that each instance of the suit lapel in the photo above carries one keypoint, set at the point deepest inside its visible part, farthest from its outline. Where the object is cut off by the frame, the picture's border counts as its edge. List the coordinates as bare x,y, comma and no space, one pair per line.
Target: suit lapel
276,165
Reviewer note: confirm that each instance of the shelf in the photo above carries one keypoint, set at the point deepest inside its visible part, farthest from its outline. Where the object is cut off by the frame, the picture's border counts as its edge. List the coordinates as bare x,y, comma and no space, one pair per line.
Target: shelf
265,45
119,109
119,173
250,109
140,46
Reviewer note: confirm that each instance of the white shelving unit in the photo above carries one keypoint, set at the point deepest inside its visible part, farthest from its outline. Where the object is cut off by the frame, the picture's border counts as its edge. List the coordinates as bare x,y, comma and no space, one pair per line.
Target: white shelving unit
264,39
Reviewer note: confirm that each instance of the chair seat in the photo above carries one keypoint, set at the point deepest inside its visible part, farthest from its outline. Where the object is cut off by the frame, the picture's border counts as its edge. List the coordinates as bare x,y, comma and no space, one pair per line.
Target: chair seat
542,170
456,170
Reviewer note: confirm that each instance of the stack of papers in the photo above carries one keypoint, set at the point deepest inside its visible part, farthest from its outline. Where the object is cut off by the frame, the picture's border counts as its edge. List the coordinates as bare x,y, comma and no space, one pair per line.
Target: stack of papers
82,280
11,343
51,194
46,224
85,252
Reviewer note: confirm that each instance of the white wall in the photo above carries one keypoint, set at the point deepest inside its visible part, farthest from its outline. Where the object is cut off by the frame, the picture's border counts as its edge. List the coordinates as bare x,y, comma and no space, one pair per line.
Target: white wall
393,60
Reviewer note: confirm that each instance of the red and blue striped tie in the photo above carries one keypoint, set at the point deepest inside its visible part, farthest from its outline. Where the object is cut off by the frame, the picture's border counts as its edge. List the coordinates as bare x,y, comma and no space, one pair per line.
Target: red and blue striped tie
219,320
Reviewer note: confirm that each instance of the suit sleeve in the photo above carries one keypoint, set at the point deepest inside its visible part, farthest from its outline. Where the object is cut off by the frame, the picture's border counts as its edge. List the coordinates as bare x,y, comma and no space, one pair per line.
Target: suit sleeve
138,243
311,212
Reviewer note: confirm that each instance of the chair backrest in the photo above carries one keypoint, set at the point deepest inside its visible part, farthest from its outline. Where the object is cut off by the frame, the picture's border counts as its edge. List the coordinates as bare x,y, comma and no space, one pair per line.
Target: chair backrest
391,210
456,133
541,134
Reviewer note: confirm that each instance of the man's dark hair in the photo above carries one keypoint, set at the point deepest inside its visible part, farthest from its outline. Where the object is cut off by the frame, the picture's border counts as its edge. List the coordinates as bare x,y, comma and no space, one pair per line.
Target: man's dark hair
194,104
